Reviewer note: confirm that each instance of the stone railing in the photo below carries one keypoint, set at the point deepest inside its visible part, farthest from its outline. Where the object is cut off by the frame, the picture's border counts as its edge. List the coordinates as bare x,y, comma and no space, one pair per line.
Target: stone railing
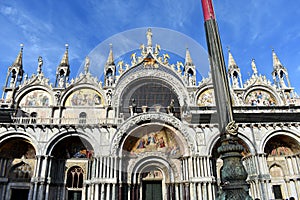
264,109
65,121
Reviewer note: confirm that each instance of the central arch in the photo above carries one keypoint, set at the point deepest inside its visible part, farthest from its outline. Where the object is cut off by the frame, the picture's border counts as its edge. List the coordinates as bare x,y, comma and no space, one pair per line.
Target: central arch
186,134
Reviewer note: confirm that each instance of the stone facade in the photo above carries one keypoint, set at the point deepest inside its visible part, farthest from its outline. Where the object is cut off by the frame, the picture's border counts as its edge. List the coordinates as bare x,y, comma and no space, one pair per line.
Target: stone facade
148,131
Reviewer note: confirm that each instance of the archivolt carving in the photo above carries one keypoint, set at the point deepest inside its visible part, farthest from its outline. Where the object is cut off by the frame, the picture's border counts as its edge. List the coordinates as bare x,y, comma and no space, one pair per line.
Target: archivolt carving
160,158
138,119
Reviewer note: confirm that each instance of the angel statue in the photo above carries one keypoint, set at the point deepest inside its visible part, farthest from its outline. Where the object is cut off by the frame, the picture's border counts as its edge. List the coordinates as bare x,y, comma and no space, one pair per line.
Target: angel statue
133,58
166,57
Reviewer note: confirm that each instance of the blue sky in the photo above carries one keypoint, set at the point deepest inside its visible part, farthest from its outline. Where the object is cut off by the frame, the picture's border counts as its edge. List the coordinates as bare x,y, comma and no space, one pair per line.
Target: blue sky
250,28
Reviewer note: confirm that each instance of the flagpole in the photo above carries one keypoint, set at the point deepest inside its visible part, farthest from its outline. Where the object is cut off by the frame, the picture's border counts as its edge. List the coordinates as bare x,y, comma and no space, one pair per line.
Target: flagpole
233,174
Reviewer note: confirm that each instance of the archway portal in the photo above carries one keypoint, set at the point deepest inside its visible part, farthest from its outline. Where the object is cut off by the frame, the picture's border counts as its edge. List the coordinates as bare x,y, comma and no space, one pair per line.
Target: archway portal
72,147
17,156
152,180
152,153
282,145
17,164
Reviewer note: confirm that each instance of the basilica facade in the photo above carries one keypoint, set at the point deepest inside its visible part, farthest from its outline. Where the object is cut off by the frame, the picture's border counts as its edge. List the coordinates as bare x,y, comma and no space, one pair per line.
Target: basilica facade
147,130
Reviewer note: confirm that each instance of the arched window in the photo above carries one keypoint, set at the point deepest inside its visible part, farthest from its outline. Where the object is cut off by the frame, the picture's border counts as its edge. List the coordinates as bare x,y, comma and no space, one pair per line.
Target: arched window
21,172
155,95
82,118
75,177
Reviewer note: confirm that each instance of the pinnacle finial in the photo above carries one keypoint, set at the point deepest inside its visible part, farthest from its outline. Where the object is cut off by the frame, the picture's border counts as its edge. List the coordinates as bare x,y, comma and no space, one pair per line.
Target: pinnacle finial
188,58
231,61
276,61
65,59
110,59
19,59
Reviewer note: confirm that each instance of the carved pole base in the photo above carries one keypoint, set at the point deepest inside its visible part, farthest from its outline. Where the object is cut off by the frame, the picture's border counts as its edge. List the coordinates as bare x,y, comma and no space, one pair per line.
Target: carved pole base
233,174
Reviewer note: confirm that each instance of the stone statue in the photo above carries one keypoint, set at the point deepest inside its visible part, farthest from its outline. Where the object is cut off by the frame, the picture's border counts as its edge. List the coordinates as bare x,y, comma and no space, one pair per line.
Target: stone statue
166,57
254,67
149,37
157,49
171,107
87,64
40,64
132,107
120,65
179,64
133,58
61,81
109,97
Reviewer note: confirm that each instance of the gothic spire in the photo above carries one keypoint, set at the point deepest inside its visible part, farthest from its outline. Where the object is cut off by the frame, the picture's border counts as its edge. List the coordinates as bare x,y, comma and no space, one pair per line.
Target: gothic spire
63,70
280,73
188,58
276,61
234,72
65,60
19,60
110,59
231,61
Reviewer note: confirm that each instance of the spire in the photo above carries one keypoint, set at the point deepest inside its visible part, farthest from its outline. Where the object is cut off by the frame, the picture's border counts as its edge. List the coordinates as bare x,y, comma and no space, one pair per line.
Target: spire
280,73
188,58
276,61
236,186
65,60
234,72
19,60
231,61
110,59
63,70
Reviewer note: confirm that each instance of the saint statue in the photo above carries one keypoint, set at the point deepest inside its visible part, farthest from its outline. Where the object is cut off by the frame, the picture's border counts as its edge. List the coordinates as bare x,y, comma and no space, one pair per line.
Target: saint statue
253,65
40,64
149,37
87,64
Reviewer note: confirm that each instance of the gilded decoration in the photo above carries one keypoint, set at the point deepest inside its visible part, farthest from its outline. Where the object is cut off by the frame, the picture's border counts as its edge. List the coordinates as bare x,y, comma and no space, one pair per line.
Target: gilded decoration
85,97
36,98
260,98
152,139
206,98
